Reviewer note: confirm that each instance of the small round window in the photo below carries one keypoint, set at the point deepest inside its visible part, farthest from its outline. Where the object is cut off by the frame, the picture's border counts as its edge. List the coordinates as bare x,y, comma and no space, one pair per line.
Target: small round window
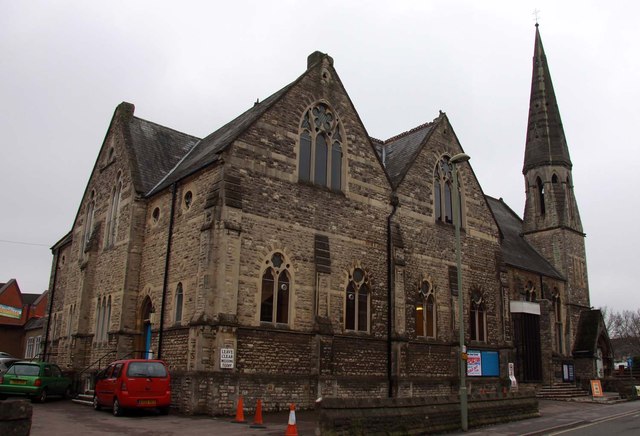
188,199
156,214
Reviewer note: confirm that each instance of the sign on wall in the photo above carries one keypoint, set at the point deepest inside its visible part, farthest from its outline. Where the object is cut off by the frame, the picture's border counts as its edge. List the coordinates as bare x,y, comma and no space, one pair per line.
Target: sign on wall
10,312
227,358
474,363
483,363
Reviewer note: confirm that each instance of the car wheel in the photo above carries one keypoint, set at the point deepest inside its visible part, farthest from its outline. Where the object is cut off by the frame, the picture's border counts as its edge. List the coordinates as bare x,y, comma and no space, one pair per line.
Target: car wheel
164,410
42,397
68,393
117,410
96,403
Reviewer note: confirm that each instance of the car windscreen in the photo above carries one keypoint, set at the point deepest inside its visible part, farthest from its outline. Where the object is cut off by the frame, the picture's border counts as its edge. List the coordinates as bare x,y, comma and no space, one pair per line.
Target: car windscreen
24,369
146,369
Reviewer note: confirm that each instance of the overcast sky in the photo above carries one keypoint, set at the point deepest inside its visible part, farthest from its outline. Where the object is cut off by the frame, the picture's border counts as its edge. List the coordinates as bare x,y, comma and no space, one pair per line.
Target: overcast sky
193,66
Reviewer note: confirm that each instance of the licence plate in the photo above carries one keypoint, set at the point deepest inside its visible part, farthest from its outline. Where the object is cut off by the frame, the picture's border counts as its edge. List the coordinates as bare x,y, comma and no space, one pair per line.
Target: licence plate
147,402
18,382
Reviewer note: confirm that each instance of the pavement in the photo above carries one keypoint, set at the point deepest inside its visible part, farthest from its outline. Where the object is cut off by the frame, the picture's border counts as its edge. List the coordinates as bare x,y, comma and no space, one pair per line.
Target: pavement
556,416
67,418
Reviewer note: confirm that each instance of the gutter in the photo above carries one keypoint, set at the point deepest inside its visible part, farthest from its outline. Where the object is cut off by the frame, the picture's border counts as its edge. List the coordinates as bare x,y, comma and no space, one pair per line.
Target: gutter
390,284
167,259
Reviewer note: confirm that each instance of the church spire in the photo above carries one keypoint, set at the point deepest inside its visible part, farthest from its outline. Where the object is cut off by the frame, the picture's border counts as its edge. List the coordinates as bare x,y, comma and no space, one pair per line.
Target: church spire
546,143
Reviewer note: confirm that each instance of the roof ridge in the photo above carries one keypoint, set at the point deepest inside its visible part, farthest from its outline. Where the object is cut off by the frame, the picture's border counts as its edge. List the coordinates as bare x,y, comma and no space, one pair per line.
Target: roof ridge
408,132
165,127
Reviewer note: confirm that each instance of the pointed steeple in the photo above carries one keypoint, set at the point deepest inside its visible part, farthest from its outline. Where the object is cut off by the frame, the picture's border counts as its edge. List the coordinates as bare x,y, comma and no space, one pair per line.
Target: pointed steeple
546,143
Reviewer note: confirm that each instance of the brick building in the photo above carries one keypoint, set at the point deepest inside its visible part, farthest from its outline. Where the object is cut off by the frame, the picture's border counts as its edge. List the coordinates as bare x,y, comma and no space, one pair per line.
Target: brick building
289,256
21,320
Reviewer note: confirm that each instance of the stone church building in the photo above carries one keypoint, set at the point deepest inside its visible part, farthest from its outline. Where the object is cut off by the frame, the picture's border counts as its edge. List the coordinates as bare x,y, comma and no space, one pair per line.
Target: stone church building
289,256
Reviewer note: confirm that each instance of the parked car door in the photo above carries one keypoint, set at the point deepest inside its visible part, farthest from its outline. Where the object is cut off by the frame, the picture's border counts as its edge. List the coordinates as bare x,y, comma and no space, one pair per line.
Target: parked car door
104,389
57,381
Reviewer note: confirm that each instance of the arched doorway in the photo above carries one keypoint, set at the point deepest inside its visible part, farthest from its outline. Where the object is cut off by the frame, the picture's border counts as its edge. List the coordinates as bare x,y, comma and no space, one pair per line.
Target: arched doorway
144,326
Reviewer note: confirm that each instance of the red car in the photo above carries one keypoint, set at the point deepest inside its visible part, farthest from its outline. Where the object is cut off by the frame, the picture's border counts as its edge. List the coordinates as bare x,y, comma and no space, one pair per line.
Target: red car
133,384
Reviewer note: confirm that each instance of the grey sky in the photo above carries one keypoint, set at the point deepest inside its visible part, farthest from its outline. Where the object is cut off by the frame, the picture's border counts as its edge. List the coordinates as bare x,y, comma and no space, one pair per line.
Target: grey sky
193,66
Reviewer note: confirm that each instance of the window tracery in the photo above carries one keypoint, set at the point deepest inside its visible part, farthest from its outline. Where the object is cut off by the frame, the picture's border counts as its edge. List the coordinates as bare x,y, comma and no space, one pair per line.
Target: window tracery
321,153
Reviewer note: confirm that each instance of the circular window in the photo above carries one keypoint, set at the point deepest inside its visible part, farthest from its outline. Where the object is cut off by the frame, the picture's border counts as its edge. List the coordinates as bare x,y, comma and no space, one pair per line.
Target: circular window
156,214
188,199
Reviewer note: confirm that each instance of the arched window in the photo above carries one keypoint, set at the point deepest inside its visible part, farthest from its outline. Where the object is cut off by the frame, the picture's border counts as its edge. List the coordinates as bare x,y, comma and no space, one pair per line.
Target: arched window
99,320
178,304
320,158
554,179
70,321
106,319
443,192
114,212
540,187
88,224
478,322
557,308
530,292
426,311
357,301
275,290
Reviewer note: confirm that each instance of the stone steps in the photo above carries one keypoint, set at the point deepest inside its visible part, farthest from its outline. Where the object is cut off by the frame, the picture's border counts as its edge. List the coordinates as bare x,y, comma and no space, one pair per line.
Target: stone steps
561,391
84,399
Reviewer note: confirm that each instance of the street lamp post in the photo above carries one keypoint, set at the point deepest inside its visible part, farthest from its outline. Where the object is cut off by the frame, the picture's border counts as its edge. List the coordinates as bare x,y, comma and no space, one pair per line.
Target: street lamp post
459,158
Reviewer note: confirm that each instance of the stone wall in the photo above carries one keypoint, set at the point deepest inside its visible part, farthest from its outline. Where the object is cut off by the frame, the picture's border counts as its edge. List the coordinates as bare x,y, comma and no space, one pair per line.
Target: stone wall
15,417
383,416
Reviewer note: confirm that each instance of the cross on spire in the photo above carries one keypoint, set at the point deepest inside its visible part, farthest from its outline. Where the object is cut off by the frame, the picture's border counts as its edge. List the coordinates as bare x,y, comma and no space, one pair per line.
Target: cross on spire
536,14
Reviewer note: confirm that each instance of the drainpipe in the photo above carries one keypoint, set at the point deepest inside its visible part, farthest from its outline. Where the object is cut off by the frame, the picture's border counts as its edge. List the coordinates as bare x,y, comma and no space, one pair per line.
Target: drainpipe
390,284
167,259
53,291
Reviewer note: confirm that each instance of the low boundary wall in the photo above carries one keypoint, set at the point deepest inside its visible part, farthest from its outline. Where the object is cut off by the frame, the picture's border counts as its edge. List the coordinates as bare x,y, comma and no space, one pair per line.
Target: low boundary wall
416,416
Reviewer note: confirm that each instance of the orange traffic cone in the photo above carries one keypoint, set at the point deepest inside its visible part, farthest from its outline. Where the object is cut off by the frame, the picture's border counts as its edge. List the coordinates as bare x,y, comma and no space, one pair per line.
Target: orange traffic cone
257,420
292,430
239,412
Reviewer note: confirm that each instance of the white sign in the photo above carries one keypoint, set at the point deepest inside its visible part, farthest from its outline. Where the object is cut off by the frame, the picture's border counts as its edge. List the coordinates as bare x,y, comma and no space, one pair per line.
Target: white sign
512,377
227,358
474,363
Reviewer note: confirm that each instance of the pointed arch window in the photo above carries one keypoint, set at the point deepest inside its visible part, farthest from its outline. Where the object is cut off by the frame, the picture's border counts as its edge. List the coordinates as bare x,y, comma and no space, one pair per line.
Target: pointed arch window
443,192
114,212
540,189
530,293
357,301
178,304
426,311
557,308
72,310
478,321
275,290
103,318
99,315
88,225
568,202
321,152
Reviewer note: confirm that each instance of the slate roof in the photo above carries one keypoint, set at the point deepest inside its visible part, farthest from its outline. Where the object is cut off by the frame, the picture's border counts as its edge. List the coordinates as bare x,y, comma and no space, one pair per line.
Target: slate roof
208,150
155,151
30,298
516,251
546,143
34,323
399,152
589,329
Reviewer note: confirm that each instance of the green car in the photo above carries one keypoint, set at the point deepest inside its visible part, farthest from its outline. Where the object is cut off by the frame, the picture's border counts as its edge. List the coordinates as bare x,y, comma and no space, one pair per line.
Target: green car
36,380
